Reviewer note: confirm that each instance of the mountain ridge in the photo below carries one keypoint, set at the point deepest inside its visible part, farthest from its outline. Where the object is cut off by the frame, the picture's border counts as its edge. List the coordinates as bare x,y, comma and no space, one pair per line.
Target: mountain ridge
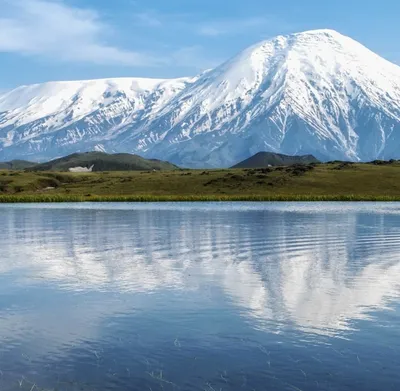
314,92
16,165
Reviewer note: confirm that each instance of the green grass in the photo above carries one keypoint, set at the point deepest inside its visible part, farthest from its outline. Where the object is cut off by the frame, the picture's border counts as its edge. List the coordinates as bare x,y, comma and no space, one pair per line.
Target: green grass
325,182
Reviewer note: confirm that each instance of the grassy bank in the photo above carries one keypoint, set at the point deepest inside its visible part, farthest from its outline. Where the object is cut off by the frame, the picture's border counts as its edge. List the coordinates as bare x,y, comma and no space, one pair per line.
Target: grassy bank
324,182
150,198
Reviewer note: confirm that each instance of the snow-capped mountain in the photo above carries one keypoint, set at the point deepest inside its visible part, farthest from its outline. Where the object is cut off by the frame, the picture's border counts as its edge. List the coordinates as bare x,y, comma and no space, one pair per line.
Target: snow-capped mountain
316,92
51,119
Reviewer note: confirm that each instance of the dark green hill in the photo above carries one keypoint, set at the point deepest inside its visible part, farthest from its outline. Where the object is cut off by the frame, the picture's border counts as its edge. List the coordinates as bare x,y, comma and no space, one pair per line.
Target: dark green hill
265,159
16,165
104,162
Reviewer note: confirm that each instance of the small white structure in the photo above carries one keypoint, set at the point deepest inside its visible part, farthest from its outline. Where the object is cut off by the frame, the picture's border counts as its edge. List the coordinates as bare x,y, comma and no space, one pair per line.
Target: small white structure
81,169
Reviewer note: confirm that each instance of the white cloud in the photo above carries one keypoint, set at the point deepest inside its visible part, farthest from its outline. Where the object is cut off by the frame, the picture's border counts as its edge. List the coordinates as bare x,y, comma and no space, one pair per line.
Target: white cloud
56,30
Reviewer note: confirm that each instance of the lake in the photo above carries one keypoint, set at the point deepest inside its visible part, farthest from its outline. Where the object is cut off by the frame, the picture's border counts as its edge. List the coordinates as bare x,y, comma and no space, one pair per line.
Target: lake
229,296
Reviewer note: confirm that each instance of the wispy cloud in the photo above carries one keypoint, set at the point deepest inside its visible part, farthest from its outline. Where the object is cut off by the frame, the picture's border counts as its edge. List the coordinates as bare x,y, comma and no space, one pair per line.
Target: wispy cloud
236,26
191,25
56,30
194,56
148,19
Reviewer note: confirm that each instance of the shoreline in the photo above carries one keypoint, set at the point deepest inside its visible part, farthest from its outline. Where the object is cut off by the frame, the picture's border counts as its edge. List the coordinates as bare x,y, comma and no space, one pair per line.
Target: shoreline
14,199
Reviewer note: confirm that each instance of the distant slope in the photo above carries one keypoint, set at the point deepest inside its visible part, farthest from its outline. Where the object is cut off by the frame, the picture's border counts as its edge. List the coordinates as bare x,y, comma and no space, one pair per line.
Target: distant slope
265,159
104,162
16,165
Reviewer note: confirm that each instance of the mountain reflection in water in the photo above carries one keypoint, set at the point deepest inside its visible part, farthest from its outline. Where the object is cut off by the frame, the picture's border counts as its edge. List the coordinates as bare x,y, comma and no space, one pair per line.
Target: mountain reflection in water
314,270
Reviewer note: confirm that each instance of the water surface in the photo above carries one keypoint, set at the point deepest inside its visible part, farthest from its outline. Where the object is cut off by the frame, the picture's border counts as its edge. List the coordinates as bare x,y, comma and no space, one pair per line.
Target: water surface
241,296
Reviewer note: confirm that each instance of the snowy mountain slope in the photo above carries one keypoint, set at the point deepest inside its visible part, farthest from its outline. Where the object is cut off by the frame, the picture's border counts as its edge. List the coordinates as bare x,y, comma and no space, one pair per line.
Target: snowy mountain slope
316,92
45,119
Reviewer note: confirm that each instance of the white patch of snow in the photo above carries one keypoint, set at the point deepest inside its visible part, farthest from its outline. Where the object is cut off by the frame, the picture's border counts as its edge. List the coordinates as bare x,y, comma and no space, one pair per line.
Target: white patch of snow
81,169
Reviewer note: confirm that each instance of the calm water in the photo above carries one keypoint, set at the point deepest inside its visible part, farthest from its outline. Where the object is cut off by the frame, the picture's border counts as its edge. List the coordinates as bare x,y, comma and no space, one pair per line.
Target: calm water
200,297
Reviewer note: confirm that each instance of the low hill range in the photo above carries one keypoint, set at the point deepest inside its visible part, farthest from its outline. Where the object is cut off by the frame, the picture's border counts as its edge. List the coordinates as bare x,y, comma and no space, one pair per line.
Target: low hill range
266,159
100,161
92,161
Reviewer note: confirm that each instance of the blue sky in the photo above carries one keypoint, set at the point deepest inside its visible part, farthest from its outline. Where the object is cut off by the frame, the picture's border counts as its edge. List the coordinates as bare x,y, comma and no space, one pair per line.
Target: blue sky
43,40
